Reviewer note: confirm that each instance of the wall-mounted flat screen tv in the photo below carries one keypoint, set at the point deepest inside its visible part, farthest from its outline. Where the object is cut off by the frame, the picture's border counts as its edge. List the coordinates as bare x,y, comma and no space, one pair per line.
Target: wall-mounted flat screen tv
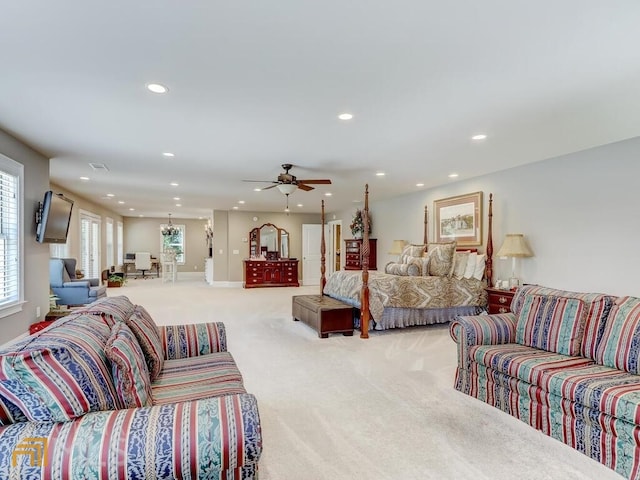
55,217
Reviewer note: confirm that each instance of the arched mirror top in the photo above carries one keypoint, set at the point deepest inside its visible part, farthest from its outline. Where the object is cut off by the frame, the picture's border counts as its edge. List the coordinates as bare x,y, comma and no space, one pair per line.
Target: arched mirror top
269,242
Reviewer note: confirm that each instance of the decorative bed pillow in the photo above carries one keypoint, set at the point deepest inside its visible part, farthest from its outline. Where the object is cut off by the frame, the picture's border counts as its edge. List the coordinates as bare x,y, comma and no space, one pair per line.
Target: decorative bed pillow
460,260
554,324
619,345
128,366
411,251
481,262
146,331
441,258
406,269
422,263
470,269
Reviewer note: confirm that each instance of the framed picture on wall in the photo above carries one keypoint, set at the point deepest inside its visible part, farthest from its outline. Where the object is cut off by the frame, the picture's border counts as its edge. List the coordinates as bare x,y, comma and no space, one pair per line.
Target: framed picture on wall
460,219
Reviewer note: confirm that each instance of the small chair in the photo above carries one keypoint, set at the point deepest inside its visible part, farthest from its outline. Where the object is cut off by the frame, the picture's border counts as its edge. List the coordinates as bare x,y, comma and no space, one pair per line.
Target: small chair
143,262
168,265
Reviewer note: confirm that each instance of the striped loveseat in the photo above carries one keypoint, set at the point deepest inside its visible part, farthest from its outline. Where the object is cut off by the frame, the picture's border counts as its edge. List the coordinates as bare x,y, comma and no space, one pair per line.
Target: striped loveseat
106,394
566,363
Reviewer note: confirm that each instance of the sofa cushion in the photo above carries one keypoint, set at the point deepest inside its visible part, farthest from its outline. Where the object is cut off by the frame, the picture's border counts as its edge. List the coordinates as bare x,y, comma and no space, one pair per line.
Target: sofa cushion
61,372
598,306
129,368
555,324
198,377
146,331
441,258
620,345
111,309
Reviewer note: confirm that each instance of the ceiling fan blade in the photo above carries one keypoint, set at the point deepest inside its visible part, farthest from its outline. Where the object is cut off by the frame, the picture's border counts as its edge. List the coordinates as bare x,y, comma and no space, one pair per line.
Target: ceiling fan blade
324,181
260,181
275,184
304,187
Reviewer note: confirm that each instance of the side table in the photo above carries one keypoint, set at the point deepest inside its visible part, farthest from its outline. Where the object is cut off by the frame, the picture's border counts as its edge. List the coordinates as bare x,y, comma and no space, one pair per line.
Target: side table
499,301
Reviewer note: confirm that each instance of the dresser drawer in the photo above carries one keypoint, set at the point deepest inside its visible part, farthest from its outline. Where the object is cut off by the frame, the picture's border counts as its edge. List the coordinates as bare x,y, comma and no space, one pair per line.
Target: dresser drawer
499,301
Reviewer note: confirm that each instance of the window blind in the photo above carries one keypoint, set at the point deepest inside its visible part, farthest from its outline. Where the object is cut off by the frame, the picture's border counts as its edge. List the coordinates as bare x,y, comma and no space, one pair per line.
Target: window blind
9,238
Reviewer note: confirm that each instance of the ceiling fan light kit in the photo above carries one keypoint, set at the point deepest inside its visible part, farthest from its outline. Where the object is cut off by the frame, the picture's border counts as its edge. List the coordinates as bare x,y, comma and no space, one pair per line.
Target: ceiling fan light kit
287,183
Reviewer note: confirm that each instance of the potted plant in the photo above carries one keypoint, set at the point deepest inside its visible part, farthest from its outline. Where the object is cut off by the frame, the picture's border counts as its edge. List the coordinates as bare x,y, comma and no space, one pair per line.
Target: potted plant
116,280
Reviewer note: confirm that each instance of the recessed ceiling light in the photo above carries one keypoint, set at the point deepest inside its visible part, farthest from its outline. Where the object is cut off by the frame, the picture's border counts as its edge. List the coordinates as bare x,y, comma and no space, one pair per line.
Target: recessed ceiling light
110,195
174,184
168,154
380,174
121,202
141,215
157,88
328,194
453,175
84,178
178,204
300,205
257,189
480,136
241,202
176,198
132,209
345,116
235,208
419,184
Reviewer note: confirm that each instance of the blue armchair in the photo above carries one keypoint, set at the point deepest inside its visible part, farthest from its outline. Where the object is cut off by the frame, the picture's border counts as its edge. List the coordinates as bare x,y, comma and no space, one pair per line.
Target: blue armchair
70,290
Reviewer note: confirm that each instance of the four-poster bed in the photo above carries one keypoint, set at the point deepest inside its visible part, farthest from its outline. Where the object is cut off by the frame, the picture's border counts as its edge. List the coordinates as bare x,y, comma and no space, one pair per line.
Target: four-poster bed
395,301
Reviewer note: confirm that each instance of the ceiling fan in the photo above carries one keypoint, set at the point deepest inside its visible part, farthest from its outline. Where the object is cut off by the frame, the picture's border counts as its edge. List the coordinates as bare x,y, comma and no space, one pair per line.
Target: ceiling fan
287,183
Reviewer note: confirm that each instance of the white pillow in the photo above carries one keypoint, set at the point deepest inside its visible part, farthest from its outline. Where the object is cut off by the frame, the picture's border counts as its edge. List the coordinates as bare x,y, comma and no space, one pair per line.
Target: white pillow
460,260
471,265
480,264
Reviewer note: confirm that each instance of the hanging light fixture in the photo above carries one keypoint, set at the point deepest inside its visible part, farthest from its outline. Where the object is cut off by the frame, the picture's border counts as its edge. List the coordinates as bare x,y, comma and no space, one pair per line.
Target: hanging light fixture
169,229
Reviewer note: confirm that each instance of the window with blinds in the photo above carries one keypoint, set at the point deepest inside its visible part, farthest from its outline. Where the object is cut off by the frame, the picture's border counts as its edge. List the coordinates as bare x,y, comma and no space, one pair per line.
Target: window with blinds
10,235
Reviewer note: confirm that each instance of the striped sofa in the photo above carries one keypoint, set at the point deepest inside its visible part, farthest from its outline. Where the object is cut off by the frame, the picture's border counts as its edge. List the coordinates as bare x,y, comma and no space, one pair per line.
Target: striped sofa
106,394
566,363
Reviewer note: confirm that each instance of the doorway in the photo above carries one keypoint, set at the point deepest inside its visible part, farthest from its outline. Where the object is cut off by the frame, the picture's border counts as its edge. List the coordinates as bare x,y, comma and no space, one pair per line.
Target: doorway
90,244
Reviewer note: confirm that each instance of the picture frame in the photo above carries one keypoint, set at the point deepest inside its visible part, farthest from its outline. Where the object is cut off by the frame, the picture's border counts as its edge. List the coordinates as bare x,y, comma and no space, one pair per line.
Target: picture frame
459,218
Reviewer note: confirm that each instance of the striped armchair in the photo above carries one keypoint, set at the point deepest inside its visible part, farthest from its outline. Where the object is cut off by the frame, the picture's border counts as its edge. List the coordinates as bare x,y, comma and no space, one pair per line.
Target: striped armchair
105,393
566,363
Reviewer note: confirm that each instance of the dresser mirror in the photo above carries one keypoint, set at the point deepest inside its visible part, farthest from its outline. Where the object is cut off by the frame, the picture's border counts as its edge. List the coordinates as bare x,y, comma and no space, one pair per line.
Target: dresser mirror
269,241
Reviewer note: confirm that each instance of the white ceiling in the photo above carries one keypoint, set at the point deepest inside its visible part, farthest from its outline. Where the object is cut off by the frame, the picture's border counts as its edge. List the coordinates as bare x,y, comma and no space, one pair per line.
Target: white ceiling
256,84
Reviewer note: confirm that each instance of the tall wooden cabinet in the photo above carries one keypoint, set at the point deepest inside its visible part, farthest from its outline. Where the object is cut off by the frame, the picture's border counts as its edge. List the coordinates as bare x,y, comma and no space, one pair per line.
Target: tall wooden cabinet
271,273
353,254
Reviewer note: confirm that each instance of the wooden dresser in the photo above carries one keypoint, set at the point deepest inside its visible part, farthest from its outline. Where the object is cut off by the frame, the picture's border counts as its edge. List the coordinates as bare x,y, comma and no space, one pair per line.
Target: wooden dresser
499,301
353,254
270,273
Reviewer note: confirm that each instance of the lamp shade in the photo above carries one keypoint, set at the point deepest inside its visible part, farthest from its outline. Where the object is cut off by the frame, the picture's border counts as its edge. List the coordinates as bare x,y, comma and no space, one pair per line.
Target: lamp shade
397,247
514,246
287,188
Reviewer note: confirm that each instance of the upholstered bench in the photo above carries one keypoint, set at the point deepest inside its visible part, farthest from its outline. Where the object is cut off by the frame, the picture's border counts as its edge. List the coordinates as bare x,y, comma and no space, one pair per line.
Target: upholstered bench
325,314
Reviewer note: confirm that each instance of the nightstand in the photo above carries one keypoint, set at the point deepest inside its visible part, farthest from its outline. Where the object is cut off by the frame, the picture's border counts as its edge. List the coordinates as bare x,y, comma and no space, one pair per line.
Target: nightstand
499,301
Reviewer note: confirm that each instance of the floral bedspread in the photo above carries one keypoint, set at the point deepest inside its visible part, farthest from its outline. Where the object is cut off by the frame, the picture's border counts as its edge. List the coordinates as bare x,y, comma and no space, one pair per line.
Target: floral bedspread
404,291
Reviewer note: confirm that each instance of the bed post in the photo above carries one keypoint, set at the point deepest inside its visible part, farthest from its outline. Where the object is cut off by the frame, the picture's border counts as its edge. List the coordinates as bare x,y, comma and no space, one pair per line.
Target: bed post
425,236
323,249
488,269
364,298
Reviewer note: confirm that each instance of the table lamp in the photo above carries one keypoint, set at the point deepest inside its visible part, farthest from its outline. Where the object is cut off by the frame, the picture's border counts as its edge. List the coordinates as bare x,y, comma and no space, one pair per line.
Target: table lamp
397,247
514,246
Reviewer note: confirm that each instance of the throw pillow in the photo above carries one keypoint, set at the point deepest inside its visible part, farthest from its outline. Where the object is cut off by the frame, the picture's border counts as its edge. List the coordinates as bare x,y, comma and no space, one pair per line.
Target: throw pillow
441,258
460,260
619,345
471,265
130,373
422,263
146,331
480,265
411,251
554,324
406,269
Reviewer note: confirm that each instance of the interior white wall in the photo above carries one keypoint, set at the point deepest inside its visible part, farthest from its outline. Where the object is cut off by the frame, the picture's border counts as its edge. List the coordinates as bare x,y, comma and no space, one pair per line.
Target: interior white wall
578,213
36,255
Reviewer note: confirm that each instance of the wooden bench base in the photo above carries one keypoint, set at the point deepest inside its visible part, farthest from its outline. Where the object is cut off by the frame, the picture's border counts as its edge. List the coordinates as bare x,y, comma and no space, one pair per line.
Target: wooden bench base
324,314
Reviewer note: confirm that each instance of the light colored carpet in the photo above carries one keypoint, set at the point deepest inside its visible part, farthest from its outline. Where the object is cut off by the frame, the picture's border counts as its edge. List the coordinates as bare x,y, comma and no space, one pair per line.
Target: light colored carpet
347,408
